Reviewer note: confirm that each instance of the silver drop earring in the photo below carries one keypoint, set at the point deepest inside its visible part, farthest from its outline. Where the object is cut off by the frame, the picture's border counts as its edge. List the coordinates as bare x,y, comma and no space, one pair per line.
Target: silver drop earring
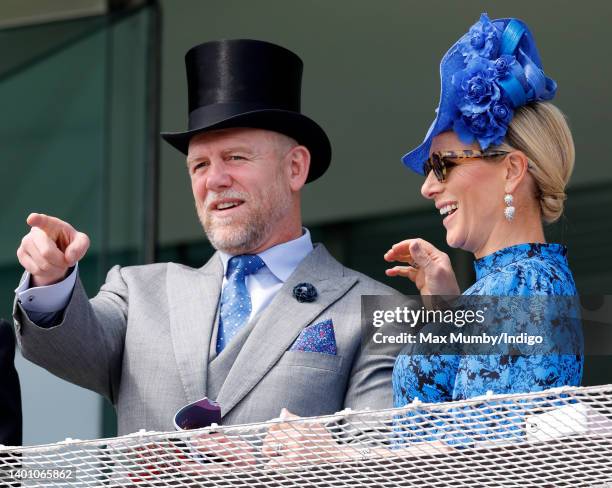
509,210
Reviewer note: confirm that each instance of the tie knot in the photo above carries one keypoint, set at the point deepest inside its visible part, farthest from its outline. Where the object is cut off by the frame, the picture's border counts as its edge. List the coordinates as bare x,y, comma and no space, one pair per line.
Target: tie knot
244,264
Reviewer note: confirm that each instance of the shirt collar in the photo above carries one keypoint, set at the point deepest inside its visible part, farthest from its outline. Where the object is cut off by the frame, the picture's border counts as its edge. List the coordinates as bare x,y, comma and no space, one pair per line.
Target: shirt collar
281,259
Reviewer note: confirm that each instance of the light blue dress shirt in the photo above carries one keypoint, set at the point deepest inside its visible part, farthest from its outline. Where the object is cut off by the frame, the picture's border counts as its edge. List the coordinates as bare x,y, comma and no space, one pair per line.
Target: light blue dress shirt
280,261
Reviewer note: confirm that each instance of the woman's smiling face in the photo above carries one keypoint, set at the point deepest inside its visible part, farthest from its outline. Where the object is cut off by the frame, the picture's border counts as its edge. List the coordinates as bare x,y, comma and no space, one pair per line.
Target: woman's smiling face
471,199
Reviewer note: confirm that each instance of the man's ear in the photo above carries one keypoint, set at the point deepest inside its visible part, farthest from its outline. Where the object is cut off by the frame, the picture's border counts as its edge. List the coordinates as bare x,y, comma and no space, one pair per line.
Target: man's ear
517,166
299,165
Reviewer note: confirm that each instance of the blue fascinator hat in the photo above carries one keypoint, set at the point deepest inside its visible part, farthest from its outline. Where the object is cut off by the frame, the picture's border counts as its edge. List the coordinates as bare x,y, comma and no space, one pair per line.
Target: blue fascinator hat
491,71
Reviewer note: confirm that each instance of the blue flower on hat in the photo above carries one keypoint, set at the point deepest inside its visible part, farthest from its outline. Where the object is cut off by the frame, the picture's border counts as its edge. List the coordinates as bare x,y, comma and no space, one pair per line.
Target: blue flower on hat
503,113
503,65
482,40
483,127
475,87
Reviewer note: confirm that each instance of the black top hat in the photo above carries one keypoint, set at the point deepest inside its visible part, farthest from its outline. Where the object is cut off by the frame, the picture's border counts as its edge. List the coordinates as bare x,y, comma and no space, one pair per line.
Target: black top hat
248,83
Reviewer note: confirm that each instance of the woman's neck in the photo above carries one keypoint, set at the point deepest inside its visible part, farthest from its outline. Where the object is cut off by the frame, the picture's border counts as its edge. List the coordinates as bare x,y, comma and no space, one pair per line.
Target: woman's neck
506,234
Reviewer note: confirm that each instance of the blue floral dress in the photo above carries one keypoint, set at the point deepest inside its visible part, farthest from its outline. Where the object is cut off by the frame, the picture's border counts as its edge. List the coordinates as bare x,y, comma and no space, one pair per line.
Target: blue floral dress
521,270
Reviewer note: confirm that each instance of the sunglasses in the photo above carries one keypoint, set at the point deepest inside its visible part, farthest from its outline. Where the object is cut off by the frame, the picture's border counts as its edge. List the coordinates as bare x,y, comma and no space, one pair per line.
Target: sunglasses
441,161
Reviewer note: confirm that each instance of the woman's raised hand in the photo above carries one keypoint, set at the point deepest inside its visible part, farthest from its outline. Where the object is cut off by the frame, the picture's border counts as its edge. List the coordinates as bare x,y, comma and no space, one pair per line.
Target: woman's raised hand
428,268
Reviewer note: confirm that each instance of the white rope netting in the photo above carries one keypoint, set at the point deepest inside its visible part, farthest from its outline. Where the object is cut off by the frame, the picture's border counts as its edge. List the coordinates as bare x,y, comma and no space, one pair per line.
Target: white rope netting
560,437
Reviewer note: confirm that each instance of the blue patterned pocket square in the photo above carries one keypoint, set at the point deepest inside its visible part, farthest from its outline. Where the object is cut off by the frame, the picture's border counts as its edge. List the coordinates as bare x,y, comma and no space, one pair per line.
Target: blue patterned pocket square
318,337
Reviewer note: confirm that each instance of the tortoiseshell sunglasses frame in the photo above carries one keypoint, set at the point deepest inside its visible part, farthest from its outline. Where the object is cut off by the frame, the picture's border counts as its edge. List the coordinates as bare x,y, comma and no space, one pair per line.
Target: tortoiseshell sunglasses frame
438,165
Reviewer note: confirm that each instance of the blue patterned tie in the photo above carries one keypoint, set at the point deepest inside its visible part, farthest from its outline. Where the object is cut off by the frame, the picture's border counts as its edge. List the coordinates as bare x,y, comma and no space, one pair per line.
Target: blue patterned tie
235,299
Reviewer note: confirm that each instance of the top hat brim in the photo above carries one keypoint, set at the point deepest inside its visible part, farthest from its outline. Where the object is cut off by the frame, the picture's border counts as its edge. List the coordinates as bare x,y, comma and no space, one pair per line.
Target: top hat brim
293,124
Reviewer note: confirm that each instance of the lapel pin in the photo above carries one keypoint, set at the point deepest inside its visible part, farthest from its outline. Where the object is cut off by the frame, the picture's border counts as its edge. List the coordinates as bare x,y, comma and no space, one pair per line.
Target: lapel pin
305,293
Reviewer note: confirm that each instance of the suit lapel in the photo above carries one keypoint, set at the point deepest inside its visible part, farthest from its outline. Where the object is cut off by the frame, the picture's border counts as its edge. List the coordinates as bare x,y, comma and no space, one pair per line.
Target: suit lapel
193,295
281,323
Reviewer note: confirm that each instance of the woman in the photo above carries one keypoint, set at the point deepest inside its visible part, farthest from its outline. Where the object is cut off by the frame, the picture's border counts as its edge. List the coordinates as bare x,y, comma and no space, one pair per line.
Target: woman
496,161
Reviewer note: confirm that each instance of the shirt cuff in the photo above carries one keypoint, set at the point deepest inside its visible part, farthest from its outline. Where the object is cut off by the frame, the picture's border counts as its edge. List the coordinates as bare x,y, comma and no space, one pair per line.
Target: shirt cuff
46,299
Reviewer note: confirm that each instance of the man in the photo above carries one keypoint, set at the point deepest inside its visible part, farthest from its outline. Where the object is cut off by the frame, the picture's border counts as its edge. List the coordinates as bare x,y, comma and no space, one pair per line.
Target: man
269,322
10,393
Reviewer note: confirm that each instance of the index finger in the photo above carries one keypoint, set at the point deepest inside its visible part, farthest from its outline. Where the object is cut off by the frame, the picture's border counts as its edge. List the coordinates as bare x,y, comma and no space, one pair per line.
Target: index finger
403,246
400,252
409,246
52,226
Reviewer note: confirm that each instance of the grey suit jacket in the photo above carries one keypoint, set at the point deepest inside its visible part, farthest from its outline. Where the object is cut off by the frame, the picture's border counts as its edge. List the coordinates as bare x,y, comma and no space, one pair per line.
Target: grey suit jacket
145,340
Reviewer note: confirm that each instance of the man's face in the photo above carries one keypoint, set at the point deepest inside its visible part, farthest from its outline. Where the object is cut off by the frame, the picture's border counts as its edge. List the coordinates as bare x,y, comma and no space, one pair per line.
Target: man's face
240,183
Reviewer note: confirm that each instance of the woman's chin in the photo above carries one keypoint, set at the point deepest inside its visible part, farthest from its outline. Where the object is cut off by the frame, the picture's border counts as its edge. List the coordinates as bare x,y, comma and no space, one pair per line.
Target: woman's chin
453,240
450,241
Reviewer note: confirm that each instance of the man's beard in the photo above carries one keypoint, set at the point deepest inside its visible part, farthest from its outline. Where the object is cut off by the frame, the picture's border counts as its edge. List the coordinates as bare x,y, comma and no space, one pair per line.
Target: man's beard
242,234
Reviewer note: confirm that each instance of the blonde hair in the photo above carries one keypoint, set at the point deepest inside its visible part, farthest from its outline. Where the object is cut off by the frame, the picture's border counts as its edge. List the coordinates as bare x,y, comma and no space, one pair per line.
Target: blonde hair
540,131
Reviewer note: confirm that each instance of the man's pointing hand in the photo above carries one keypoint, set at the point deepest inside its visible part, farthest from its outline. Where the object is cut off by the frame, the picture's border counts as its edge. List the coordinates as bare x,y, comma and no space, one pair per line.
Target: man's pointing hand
50,248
